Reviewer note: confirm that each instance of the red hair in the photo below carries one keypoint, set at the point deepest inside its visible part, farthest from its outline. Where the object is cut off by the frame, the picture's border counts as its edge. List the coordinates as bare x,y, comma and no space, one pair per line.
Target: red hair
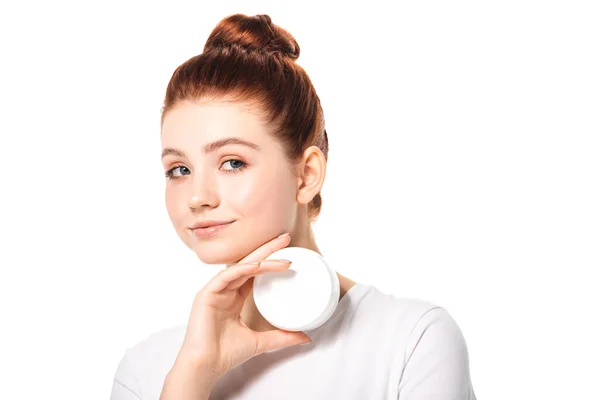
251,60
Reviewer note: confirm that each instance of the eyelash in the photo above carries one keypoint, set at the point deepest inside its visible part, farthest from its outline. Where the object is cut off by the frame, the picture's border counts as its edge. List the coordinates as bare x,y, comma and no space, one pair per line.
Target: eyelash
169,173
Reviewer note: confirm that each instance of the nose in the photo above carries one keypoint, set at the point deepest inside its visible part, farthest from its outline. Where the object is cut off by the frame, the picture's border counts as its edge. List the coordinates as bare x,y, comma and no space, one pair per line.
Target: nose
203,194
198,201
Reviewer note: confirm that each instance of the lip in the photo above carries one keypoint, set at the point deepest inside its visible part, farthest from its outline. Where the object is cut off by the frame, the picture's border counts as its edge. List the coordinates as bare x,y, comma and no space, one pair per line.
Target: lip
208,223
210,230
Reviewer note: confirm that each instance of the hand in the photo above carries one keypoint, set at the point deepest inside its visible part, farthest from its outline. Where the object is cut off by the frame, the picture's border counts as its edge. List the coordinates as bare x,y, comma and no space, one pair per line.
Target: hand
216,338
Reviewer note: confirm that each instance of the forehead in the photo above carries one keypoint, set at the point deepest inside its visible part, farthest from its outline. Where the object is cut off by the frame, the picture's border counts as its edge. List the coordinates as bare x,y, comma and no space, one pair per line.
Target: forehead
210,120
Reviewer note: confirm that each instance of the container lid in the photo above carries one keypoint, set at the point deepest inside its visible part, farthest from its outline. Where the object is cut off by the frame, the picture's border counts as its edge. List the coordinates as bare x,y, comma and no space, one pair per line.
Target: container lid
300,298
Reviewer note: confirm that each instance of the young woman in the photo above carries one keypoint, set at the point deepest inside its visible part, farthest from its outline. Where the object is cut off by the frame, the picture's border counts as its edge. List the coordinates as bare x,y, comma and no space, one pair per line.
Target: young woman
244,149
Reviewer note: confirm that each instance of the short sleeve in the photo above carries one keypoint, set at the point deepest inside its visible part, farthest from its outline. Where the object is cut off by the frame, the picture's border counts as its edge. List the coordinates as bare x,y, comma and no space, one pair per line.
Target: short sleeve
125,385
436,360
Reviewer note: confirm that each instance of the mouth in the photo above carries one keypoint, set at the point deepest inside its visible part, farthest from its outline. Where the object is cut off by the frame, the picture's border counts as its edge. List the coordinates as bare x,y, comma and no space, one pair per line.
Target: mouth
210,230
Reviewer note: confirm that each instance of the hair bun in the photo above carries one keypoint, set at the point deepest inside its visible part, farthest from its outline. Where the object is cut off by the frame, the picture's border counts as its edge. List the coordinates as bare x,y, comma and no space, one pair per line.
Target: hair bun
255,33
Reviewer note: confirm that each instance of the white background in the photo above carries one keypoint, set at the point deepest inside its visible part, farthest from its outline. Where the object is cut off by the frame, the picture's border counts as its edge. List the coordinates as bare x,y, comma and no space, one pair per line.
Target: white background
464,170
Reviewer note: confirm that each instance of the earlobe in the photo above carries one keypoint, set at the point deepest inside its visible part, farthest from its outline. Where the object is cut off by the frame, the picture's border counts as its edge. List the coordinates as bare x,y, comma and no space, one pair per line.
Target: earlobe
312,174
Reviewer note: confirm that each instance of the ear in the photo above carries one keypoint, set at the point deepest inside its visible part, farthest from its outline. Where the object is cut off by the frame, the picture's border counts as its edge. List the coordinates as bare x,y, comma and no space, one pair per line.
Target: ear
312,170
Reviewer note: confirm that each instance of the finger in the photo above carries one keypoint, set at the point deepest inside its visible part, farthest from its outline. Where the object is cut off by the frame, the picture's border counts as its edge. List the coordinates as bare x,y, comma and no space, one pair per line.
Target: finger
279,339
238,282
265,266
227,275
268,248
246,288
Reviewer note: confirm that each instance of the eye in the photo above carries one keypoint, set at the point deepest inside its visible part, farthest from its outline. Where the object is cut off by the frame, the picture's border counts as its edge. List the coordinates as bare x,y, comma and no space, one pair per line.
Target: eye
233,163
169,173
237,166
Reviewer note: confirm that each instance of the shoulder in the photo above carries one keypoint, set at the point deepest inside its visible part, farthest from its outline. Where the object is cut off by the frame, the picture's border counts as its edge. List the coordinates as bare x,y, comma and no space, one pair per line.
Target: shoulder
158,350
145,365
435,358
388,317
431,356
402,312
158,344
436,328
412,322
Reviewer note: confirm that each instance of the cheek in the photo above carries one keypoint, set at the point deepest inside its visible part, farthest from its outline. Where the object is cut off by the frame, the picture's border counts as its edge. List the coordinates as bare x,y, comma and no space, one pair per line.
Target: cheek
171,203
266,206
264,203
268,198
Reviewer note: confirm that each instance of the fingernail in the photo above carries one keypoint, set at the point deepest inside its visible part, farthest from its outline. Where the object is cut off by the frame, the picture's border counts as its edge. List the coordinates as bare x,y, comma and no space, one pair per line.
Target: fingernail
302,344
254,262
284,260
283,235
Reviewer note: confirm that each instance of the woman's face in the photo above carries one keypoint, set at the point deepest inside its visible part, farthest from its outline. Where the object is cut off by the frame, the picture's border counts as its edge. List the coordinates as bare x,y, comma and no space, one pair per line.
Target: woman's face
252,186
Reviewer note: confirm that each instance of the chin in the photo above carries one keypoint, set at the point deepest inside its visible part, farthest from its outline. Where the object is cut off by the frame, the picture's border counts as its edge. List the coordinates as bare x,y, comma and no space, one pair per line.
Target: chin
217,252
215,260
228,247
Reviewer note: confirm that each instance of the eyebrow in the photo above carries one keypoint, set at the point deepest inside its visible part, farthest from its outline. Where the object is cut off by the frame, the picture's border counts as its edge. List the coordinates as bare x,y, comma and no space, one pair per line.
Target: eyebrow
209,148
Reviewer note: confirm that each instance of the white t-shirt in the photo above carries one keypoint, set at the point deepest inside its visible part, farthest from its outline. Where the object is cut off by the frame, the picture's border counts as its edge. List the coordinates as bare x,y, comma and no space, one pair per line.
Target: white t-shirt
374,346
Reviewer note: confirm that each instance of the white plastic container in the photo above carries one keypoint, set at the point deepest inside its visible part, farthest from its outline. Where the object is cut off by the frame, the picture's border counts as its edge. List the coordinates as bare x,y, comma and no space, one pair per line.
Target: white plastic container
300,298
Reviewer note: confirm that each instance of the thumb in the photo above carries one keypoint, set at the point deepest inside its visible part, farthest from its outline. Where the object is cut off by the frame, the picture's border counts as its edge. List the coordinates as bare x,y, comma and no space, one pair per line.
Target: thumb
278,339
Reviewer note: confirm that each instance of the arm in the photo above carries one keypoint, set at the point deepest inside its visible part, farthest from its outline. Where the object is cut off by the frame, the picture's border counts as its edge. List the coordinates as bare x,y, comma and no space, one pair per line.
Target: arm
188,380
436,361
